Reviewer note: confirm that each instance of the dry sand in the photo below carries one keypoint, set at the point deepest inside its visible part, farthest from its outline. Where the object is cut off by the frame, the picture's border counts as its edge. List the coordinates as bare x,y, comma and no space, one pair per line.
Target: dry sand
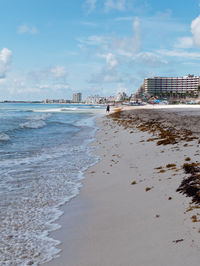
128,212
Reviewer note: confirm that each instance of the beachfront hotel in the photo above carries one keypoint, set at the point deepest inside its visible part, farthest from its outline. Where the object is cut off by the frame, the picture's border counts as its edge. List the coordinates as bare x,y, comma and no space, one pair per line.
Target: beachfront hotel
173,86
77,97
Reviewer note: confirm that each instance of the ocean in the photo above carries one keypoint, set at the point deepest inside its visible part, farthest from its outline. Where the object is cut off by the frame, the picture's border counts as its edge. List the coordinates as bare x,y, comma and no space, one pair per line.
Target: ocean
43,153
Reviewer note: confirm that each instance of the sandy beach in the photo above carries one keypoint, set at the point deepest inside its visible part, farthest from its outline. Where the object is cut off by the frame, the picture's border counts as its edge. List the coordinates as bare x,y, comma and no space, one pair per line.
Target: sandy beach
129,212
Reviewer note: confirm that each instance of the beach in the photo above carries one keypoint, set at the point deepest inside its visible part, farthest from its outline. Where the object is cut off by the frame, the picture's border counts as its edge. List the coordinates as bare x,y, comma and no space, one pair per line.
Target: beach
129,211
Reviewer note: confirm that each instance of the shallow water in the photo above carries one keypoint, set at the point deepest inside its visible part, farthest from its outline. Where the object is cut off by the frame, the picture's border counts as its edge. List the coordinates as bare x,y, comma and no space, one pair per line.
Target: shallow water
43,153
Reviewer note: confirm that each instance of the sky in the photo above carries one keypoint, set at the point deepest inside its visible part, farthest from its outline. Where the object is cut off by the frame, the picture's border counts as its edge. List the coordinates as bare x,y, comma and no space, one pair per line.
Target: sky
50,49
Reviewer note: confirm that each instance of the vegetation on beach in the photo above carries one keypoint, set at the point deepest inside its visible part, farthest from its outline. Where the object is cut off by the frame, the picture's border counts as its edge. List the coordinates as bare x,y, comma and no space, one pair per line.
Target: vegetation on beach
148,188
171,165
133,183
169,130
190,186
162,130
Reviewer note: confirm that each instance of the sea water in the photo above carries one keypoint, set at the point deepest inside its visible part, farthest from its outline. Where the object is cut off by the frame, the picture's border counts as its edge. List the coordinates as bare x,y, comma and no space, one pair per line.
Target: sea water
43,153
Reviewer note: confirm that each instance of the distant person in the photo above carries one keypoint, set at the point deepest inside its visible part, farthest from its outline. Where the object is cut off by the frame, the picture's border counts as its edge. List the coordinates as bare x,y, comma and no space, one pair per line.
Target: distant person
108,108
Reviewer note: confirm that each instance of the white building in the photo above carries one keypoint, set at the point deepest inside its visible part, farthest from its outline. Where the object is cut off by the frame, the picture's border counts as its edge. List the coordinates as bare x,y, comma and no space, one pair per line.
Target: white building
121,96
174,85
96,99
77,97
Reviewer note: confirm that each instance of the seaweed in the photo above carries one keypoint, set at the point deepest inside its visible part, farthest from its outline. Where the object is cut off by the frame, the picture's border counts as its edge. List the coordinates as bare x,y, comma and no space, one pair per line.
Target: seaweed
158,168
162,130
190,186
162,171
187,159
148,188
178,240
171,165
133,183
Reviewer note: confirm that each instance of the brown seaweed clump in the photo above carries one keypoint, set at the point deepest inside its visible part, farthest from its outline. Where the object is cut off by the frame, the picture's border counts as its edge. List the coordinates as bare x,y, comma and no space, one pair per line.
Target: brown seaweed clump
191,168
134,183
163,131
171,165
178,240
148,188
190,186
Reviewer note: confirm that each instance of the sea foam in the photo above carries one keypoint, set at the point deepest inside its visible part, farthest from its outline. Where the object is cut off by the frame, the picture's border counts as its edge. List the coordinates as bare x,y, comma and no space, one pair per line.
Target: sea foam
33,124
4,137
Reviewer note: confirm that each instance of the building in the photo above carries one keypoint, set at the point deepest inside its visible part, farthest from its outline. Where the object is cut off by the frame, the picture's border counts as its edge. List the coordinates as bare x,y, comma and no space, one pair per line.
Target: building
96,99
121,96
77,97
173,86
56,101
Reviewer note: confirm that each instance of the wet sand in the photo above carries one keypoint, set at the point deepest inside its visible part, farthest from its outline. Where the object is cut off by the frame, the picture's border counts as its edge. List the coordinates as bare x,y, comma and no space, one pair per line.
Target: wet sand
129,211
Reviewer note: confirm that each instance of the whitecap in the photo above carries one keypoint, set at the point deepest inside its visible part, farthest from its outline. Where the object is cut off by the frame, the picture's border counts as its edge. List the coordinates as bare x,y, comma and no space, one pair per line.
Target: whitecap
69,109
4,137
40,117
52,110
33,124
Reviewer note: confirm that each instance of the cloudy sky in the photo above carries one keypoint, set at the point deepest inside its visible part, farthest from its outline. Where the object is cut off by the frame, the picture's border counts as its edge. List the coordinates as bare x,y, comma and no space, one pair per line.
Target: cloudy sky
52,48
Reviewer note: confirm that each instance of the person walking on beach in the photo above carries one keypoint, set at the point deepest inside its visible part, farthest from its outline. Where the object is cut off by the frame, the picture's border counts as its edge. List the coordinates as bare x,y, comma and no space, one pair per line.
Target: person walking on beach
108,108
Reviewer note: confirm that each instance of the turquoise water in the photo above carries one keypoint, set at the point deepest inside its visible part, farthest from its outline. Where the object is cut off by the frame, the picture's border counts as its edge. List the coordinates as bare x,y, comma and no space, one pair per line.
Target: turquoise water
43,153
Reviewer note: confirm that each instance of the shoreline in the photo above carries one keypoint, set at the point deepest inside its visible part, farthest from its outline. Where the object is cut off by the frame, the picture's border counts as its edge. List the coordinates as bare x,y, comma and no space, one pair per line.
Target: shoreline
117,217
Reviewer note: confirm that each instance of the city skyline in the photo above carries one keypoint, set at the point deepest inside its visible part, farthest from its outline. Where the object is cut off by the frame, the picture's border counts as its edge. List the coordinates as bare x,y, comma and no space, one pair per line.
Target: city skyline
94,46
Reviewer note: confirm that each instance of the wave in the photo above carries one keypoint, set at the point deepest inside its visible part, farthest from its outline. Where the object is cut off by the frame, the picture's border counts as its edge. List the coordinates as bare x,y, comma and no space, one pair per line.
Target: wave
89,122
70,109
4,137
40,117
55,110
33,124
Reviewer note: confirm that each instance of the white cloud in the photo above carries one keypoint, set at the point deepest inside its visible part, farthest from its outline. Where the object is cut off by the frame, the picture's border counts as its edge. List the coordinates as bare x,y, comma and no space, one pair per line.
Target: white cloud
114,4
187,42
90,5
124,19
21,85
136,29
184,42
94,40
5,61
59,72
106,76
194,40
126,46
46,81
149,59
60,86
178,53
117,52
195,29
90,24
26,29
111,60
49,73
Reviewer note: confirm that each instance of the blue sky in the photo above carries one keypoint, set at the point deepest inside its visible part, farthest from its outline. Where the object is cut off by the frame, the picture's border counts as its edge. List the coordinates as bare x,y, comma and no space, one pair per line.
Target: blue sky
50,49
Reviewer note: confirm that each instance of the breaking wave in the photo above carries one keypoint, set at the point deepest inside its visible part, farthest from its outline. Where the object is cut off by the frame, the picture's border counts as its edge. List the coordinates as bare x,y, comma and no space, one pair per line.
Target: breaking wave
4,137
33,124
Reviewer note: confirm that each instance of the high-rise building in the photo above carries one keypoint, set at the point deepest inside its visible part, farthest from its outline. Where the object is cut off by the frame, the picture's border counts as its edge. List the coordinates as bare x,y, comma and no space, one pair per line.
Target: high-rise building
77,97
171,86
